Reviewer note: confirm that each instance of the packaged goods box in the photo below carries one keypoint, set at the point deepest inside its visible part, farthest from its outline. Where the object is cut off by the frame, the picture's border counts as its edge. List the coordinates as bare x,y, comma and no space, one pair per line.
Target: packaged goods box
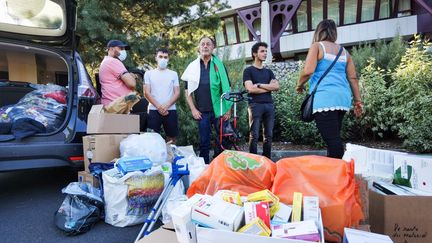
207,235
101,148
406,219
99,122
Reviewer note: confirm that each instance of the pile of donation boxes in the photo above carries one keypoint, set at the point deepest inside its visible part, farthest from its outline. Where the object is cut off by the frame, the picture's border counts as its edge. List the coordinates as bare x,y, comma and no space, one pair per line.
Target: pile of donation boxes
398,192
224,216
105,132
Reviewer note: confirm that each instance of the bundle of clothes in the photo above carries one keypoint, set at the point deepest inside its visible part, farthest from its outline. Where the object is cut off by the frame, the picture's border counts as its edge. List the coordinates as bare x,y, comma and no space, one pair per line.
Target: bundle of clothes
41,111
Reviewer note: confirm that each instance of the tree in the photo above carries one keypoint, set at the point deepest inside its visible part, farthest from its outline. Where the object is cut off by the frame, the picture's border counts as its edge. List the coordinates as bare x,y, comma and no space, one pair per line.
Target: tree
145,25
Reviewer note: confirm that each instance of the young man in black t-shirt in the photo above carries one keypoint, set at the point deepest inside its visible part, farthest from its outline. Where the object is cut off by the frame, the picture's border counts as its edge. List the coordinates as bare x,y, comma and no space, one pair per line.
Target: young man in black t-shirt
260,82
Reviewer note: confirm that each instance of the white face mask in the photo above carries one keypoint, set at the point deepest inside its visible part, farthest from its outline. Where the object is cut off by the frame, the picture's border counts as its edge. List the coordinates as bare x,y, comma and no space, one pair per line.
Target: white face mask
123,55
162,63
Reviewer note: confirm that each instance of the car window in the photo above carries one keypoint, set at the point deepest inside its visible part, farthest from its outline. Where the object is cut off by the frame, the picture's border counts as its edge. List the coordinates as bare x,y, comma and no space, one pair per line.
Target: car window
36,17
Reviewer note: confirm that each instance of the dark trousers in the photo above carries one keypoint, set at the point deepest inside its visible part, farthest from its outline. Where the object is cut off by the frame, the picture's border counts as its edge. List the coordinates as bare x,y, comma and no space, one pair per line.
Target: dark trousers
329,124
205,131
261,115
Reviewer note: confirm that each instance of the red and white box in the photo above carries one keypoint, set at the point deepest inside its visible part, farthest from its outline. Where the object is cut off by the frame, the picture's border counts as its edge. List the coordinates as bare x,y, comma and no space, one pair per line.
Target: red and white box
257,209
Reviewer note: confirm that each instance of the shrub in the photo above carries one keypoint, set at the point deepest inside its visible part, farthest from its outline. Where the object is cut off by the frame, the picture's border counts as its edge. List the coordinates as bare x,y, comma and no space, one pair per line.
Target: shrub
376,105
411,97
287,103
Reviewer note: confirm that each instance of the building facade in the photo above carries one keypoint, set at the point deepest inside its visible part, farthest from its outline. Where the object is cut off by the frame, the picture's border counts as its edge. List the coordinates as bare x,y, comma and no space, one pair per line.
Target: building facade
288,25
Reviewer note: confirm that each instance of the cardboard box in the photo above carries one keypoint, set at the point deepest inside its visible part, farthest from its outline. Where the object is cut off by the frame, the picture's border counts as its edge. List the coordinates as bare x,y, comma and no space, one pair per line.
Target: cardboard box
182,220
164,234
359,236
218,214
406,219
302,230
101,148
99,122
257,210
84,176
207,235
414,171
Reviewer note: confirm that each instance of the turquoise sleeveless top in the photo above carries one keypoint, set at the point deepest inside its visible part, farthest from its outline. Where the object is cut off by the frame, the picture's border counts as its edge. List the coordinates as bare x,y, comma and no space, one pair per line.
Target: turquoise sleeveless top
334,91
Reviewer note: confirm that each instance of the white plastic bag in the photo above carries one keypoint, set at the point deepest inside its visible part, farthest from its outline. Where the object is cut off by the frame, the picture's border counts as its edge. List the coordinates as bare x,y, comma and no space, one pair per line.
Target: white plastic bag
149,144
196,167
129,198
176,196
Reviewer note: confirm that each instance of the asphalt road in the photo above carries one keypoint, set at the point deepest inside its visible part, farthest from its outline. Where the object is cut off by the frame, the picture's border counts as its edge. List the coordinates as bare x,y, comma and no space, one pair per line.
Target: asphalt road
28,200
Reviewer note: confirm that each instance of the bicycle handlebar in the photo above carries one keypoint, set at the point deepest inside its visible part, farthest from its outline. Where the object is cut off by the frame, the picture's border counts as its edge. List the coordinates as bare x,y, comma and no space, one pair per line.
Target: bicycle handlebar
235,96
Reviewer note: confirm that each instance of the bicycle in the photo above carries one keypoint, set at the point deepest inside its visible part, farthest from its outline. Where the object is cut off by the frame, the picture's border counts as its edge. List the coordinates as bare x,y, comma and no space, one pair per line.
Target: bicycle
227,131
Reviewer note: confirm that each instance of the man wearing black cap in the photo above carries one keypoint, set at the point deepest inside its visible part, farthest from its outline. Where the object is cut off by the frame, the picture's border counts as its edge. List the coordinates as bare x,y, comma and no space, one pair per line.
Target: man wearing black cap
114,78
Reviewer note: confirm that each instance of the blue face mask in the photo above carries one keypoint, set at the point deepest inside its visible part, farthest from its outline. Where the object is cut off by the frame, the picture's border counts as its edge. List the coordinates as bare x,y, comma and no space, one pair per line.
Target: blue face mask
122,56
162,63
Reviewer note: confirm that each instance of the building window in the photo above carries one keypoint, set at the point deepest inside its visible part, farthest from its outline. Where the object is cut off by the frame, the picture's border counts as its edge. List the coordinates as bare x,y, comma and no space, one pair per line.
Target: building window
230,31
404,8
302,17
350,13
367,10
257,26
220,39
317,12
385,9
333,10
243,30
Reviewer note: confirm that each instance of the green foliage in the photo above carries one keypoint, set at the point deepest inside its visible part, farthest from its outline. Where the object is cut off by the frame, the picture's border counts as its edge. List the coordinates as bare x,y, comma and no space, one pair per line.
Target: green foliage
386,55
411,97
287,103
145,25
376,105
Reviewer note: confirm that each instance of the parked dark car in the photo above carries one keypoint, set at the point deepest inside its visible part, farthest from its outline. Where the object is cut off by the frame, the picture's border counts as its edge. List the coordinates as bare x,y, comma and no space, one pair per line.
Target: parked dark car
43,85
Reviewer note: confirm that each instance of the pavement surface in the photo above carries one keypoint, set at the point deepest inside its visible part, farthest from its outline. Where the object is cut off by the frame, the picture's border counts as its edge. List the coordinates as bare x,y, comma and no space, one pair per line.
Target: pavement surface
28,200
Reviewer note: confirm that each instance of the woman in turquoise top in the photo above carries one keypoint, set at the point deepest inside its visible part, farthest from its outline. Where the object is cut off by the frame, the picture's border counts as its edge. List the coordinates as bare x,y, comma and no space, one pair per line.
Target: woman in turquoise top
334,95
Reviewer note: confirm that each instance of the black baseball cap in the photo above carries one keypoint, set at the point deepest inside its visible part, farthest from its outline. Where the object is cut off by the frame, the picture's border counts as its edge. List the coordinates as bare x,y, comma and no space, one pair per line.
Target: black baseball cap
113,43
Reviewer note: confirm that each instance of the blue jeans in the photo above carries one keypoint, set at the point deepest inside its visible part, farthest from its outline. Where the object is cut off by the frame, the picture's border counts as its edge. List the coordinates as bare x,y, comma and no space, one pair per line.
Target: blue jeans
205,125
261,115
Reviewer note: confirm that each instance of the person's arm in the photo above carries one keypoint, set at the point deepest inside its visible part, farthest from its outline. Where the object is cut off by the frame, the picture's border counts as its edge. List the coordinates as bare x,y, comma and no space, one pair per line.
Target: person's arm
174,98
195,112
129,79
272,86
352,78
254,88
309,67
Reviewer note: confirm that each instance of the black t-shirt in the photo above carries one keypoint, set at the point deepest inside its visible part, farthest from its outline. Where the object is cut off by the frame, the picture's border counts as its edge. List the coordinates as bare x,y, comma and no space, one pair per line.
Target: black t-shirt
259,76
202,93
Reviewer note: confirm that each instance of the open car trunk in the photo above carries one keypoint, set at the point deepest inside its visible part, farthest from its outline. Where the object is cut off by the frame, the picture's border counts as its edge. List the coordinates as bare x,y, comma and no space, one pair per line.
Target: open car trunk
33,91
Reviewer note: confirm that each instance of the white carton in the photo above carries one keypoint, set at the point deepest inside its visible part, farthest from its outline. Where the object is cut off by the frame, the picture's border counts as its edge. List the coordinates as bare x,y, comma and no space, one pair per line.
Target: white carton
306,230
416,169
216,213
283,214
358,236
311,208
182,221
207,235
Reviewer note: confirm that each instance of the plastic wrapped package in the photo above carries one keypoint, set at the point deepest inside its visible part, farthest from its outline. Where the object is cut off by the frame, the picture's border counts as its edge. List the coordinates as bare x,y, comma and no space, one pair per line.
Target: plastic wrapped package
80,210
150,144
46,104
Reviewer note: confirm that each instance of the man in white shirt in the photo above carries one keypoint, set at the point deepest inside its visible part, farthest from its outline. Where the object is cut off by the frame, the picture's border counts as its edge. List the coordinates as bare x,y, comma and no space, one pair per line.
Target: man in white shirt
162,90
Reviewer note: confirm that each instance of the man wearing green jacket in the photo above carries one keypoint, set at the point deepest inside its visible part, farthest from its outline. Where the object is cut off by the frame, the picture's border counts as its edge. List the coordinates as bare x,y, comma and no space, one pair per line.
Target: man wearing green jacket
206,79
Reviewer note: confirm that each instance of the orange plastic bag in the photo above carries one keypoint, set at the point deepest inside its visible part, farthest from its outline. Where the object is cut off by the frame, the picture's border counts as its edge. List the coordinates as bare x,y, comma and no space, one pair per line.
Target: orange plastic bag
332,180
236,171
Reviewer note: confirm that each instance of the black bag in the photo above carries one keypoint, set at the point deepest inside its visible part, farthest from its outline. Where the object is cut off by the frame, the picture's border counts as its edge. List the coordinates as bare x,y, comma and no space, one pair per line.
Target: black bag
80,210
306,108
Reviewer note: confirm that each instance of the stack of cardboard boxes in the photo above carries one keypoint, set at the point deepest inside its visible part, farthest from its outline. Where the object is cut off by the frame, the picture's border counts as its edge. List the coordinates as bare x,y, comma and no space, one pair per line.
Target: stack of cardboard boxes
105,132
